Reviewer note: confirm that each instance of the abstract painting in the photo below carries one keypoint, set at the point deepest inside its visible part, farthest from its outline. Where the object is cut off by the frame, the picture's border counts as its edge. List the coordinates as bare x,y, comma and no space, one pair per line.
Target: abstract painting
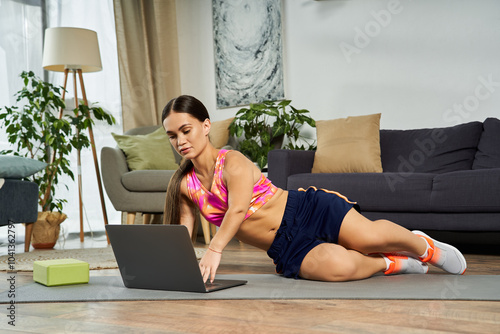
248,51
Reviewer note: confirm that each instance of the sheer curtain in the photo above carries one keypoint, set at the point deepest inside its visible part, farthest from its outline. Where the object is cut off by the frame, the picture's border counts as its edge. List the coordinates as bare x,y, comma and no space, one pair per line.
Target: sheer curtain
21,49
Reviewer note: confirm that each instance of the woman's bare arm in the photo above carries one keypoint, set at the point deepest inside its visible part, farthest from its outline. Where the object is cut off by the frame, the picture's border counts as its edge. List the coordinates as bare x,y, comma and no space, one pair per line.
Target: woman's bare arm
239,177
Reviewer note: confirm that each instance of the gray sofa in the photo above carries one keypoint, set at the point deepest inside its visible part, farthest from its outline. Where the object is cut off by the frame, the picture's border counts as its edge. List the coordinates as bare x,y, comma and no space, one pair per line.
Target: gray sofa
444,179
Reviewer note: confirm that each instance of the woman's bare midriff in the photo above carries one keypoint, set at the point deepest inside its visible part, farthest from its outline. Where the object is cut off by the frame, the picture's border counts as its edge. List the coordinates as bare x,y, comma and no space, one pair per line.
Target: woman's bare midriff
259,229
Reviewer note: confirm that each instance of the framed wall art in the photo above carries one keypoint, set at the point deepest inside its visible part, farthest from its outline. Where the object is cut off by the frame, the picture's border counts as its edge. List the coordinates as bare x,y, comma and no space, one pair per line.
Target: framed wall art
248,51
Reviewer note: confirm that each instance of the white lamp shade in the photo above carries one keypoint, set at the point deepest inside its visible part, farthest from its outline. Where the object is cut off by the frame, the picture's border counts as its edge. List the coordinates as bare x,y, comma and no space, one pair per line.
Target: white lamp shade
72,48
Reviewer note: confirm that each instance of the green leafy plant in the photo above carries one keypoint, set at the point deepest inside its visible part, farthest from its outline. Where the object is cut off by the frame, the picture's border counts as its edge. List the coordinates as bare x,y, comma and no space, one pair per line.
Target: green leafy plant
37,132
265,126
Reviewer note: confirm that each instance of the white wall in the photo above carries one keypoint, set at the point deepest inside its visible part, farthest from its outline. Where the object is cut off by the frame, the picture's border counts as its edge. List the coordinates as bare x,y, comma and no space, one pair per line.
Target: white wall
420,63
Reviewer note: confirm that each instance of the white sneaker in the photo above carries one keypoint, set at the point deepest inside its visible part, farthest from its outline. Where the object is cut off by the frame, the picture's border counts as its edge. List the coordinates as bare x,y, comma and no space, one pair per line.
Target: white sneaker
443,256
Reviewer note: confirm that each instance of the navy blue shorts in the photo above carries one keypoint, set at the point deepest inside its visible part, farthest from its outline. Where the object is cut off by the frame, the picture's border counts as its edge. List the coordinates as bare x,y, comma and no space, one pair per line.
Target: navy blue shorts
311,217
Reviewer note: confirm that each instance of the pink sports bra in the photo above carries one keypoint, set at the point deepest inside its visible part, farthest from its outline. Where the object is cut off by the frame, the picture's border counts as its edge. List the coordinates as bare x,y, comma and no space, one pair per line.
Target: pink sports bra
213,203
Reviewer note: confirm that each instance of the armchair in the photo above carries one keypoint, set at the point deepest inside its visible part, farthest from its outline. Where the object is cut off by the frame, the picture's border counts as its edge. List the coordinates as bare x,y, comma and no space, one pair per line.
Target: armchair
133,191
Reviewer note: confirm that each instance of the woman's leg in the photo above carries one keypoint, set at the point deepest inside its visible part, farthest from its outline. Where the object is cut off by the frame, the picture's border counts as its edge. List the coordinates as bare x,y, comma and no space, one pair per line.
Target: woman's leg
334,263
380,236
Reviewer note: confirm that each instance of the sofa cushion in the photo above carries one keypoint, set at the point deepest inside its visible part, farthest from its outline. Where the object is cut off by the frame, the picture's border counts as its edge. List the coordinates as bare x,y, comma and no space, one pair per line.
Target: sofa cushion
348,145
219,133
150,151
147,180
438,150
374,191
488,149
467,191
482,222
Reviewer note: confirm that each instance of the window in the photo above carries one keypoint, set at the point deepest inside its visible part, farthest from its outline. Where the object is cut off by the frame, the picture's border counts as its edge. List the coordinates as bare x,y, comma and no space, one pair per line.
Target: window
21,47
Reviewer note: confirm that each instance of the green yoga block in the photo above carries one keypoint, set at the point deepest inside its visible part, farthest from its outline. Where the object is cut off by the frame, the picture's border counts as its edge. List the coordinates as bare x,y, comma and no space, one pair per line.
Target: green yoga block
60,272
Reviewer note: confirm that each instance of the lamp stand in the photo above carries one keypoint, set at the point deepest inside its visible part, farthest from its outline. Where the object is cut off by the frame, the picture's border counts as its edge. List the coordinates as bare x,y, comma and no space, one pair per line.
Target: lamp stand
92,142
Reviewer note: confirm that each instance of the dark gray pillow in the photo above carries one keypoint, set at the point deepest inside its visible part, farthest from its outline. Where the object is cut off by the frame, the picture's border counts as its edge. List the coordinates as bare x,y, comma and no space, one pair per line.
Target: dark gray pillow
488,149
438,150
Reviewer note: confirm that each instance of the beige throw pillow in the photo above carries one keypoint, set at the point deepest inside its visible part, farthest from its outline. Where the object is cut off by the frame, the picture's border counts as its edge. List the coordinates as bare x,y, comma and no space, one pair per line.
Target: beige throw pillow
348,145
219,133
151,151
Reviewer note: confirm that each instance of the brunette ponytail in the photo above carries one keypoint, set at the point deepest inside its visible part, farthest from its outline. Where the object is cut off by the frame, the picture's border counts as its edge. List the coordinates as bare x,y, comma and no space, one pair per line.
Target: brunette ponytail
172,212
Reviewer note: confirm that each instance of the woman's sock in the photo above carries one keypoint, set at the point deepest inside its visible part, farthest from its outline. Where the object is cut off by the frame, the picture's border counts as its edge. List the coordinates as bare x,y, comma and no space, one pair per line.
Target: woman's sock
400,264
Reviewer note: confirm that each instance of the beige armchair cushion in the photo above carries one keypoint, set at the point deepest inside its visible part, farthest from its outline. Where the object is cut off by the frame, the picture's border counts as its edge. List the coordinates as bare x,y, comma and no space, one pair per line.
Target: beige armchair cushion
348,145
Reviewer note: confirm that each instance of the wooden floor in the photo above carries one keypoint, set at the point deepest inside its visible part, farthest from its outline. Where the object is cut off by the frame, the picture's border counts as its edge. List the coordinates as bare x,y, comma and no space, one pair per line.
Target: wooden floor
259,316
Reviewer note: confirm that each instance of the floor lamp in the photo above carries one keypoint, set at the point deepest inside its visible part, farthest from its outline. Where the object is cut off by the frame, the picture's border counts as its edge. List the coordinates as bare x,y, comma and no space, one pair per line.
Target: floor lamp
75,50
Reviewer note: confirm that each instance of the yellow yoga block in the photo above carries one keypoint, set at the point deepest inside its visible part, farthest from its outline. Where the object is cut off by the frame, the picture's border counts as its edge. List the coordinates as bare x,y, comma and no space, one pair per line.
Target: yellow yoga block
60,272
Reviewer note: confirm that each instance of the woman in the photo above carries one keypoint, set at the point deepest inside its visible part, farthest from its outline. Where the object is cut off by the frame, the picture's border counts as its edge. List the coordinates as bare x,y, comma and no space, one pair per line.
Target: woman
313,234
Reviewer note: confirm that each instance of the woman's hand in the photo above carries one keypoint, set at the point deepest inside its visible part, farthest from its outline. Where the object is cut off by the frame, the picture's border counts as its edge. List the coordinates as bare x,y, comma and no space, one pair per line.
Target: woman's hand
209,264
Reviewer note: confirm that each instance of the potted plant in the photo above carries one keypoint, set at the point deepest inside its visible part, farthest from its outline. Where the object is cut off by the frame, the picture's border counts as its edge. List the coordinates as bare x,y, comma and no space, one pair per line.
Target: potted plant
265,126
37,132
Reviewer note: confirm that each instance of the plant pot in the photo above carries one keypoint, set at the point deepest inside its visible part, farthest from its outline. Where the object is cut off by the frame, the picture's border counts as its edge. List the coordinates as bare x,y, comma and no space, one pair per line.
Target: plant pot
46,229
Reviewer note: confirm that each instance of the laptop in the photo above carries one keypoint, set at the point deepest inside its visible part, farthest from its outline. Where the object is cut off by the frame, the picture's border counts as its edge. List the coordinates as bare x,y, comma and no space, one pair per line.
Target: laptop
160,257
